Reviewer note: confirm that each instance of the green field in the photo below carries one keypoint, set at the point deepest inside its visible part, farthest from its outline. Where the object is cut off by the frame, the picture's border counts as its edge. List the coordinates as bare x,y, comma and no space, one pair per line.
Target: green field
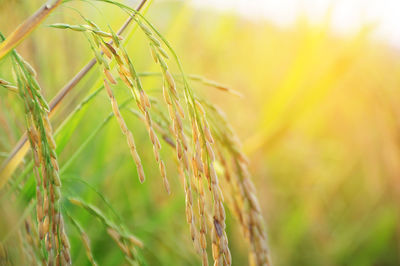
205,104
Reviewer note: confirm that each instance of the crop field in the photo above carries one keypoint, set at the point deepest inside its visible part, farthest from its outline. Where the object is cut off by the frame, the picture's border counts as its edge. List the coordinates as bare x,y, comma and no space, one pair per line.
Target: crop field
160,133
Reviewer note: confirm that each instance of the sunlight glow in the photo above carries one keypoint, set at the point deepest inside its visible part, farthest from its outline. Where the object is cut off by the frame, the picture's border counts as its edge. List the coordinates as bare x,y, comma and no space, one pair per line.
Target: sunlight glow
347,15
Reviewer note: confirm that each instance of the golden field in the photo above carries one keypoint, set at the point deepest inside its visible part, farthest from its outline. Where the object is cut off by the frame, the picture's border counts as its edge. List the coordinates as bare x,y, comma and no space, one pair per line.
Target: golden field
318,116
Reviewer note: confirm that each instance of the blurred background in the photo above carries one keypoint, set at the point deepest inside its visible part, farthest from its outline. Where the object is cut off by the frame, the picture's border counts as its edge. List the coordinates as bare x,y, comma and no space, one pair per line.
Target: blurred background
319,120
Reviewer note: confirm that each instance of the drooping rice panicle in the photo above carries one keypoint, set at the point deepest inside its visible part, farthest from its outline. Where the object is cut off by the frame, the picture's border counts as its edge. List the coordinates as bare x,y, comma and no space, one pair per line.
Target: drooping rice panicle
128,134
128,75
246,206
201,133
198,144
40,136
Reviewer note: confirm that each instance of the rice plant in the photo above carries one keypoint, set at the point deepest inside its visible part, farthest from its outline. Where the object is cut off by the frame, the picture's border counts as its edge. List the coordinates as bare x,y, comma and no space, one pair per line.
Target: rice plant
203,150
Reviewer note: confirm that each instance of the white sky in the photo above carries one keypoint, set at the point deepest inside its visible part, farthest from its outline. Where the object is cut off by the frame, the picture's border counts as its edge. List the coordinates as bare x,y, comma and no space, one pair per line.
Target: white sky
348,15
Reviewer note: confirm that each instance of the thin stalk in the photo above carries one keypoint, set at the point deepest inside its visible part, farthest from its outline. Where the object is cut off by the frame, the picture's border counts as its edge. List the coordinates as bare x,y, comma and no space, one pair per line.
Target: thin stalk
29,25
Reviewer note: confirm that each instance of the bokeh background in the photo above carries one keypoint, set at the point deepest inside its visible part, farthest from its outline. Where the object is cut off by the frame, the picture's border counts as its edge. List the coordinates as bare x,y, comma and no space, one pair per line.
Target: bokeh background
319,119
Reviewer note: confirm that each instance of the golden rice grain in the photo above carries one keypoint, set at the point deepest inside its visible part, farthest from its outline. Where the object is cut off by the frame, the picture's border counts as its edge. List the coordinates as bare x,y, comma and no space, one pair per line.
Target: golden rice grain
45,225
180,109
210,152
200,108
171,83
207,133
144,100
109,76
64,240
167,98
106,51
153,53
164,177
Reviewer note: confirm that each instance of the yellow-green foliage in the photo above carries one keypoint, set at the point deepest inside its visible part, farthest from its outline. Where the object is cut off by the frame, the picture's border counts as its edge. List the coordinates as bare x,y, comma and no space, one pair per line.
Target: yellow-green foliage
320,123
318,118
